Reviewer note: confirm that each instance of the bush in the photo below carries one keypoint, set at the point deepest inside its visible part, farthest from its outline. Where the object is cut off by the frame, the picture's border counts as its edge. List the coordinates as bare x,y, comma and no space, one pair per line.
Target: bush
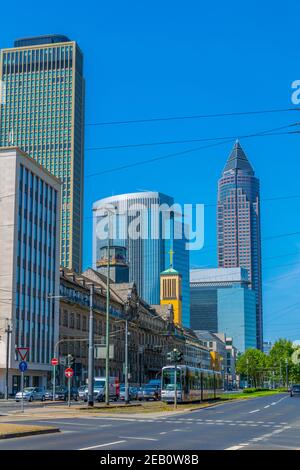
249,390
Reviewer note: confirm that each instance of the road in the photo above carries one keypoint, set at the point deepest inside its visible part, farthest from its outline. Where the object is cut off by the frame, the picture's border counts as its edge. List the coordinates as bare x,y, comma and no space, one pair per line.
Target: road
261,423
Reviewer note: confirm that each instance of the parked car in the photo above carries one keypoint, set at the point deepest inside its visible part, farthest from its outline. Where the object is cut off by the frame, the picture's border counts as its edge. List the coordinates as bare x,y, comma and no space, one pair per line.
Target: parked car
82,392
150,393
49,394
140,394
62,393
133,392
31,394
295,390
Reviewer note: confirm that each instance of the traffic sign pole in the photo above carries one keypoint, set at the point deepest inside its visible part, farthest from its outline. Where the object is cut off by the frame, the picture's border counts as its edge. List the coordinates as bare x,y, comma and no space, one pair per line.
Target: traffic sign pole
22,390
69,372
69,392
54,376
54,363
22,367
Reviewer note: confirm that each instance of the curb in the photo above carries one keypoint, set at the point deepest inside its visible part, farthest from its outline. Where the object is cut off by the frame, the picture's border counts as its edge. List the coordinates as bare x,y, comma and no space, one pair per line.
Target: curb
29,433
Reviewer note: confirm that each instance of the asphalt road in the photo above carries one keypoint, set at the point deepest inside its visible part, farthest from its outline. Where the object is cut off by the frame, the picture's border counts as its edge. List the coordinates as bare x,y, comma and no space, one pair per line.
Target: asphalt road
262,423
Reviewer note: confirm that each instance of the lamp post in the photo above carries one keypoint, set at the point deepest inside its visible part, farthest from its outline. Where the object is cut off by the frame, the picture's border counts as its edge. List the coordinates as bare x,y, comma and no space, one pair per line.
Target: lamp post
286,372
91,357
107,311
8,332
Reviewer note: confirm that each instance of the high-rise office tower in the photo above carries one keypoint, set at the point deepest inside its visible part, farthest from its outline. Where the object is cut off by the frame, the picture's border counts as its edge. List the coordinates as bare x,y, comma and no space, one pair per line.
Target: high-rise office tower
147,253
238,219
29,267
223,302
43,114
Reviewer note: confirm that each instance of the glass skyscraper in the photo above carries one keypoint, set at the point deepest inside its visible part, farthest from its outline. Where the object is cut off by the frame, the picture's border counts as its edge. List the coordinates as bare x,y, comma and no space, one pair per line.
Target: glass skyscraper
149,256
238,219
222,302
43,114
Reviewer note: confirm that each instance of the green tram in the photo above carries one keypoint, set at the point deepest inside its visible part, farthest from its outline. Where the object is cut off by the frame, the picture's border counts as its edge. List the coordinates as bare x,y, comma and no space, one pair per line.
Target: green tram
193,384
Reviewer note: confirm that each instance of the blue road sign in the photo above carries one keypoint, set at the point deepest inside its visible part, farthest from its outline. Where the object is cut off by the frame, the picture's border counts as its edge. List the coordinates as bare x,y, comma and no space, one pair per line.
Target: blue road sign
23,366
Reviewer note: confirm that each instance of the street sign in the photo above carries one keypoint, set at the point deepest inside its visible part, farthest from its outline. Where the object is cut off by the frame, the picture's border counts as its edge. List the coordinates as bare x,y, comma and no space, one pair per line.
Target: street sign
22,352
69,372
54,361
23,366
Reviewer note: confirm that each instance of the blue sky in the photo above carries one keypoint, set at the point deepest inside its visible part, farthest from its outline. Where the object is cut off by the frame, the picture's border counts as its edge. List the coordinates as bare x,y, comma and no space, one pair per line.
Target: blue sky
156,59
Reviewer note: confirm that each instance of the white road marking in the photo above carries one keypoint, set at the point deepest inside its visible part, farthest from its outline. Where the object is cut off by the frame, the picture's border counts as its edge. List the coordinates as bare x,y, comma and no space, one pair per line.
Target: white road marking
102,445
235,447
254,411
268,406
138,438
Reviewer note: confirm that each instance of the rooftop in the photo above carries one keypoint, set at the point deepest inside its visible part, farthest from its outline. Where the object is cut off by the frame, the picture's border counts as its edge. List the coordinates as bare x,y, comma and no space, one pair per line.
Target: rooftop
39,40
238,160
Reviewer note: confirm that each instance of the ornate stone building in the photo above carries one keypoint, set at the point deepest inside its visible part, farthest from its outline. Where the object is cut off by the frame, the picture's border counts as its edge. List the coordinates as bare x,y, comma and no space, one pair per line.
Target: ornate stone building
152,332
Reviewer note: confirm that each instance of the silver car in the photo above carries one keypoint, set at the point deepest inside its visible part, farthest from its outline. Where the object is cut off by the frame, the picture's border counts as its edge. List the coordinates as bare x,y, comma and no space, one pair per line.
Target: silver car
31,394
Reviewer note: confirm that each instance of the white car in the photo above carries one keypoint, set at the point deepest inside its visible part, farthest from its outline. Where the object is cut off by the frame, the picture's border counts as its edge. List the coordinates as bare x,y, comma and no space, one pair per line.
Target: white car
31,394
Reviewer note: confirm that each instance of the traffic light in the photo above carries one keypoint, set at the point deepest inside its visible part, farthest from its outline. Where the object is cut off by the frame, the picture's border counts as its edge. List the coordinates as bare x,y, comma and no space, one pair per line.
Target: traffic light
70,360
177,355
170,356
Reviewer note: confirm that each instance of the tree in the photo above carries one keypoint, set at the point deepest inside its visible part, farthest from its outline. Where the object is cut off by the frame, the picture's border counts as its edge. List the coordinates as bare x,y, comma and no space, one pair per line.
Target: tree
280,360
251,365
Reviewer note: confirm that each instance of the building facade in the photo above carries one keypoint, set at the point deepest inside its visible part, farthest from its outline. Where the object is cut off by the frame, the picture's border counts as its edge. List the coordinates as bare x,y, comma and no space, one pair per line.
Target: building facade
238,225
147,253
152,332
222,302
29,268
43,114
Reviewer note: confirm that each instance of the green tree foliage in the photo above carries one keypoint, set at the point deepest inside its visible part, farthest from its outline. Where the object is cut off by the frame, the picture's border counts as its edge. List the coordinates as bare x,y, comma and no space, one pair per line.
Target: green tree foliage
252,365
280,360
274,368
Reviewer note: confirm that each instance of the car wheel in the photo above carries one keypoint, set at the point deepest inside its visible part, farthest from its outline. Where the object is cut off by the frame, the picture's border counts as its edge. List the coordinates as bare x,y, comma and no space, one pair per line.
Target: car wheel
43,398
30,399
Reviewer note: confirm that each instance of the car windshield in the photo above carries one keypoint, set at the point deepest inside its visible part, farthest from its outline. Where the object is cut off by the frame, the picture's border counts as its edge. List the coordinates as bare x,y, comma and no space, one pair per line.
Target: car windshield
99,384
28,389
296,387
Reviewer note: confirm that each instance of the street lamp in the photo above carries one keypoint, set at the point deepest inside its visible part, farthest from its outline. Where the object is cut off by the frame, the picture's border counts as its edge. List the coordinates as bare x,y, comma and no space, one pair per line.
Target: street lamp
286,372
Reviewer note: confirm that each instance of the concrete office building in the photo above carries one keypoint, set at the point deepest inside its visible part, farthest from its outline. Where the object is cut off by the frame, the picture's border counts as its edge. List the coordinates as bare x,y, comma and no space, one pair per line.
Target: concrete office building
222,301
29,269
43,114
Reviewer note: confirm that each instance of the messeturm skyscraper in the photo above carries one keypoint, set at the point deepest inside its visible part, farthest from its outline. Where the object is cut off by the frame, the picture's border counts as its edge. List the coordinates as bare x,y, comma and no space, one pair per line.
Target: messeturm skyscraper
43,114
238,224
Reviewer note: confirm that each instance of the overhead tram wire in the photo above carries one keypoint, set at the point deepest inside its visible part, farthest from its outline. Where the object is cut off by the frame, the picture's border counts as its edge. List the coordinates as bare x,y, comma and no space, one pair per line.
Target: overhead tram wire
188,151
186,141
196,116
